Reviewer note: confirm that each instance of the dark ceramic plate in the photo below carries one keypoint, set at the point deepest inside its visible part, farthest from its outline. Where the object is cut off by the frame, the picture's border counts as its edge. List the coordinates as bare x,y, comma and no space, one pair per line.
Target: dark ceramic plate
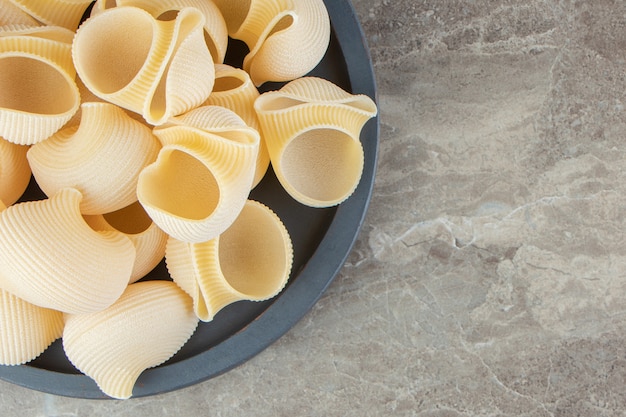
322,240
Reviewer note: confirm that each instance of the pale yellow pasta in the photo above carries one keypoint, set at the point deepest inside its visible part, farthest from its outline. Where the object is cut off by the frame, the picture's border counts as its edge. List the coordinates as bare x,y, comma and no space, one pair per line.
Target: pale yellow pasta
101,158
234,90
149,323
10,14
203,174
51,258
26,330
149,240
286,38
14,171
157,68
251,260
215,32
38,94
65,13
312,130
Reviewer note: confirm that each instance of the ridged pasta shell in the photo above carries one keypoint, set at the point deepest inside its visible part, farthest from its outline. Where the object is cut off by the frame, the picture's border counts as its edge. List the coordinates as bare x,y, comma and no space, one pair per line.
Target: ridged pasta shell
215,32
286,38
312,130
38,94
251,260
51,258
147,325
153,67
10,14
87,158
65,13
235,91
149,240
26,330
203,174
14,171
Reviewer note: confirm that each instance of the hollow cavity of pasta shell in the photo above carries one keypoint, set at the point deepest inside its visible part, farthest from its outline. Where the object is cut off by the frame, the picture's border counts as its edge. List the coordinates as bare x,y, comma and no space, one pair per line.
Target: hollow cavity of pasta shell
14,171
157,68
203,174
251,260
26,330
149,240
38,94
65,13
235,91
312,130
215,31
87,158
50,257
149,323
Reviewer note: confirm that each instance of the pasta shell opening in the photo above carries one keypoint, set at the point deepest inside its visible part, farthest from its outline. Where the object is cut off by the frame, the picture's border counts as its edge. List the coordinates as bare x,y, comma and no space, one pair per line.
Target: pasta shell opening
180,184
323,165
130,220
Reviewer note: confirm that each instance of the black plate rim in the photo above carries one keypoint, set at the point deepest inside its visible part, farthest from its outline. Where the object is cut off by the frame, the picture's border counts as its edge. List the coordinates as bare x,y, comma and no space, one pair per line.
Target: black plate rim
297,300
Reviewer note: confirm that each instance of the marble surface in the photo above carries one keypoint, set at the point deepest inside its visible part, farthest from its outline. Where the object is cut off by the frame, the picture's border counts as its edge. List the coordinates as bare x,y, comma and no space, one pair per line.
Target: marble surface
490,275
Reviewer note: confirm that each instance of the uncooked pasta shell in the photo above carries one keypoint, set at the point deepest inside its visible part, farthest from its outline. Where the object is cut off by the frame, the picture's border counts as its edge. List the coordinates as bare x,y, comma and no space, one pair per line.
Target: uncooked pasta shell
157,68
38,94
149,240
215,32
26,330
235,91
51,258
10,14
203,174
101,158
14,171
66,13
312,130
251,260
149,323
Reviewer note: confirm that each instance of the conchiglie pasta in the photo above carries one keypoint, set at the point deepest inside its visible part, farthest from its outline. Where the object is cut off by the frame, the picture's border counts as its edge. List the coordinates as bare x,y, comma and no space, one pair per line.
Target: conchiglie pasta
203,174
157,68
38,94
10,14
251,260
286,38
147,325
235,91
312,130
65,13
51,258
14,171
215,32
149,240
87,158
26,330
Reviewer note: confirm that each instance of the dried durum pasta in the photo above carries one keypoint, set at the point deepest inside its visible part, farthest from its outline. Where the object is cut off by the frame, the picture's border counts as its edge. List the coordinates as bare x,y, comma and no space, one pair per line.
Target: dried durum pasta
50,257
215,32
251,260
312,130
149,240
10,14
26,330
14,171
88,157
38,94
65,13
157,68
147,325
203,174
235,91
286,38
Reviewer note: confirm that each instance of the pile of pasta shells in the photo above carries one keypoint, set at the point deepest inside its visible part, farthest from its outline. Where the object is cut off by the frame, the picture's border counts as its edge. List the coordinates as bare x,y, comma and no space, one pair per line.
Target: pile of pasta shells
146,146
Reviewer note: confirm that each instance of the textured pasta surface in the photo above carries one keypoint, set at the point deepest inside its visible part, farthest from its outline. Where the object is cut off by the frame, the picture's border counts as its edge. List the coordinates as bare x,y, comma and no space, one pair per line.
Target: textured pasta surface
65,13
14,171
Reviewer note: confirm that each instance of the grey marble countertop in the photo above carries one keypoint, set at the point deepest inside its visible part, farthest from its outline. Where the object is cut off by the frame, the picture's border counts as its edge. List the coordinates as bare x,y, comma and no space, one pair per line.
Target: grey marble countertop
490,275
